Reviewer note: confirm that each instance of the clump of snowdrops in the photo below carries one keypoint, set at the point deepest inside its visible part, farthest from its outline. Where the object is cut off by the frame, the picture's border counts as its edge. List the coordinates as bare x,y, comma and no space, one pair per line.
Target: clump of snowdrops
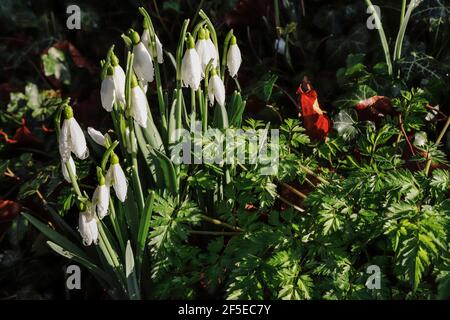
135,163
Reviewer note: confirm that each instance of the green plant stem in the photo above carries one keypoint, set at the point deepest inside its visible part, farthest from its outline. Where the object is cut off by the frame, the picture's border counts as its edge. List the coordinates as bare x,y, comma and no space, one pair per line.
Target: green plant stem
402,12
402,30
438,141
383,39
73,180
114,222
161,102
226,44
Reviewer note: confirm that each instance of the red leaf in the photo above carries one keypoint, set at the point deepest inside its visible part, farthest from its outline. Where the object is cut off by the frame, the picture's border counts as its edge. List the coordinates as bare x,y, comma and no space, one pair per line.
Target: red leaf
9,210
24,137
316,123
375,108
77,58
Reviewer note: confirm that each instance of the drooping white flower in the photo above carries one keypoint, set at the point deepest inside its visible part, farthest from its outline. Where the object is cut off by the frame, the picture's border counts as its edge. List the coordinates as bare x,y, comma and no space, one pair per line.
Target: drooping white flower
145,38
87,226
216,89
100,200
432,113
206,50
234,58
97,136
142,63
72,167
71,138
116,178
108,90
280,46
420,139
119,80
191,69
139,104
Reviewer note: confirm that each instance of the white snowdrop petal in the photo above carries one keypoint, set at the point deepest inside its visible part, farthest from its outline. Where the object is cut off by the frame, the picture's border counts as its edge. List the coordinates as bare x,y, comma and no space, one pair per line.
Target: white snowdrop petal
234,60
119,82
64,170
218,89
191,70
97,136
145,39
213,52
77,140
87,226
120,183
100,200
142,64
211,95
107,93
159,50
139,106
64,143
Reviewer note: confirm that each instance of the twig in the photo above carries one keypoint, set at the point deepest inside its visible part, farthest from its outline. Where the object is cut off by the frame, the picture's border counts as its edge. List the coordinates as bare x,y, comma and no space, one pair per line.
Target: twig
220,223
402,128
290,204
214,233
297,192
312,173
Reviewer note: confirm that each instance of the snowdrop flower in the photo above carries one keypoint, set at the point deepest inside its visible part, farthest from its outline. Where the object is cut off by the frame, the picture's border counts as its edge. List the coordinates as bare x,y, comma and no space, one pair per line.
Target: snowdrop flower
100,199
191,69
71,137
234,58
119,79
206,50
72,167
97,136
280,46
145,38
108,90
139,103
420,139
87,226
116,178
142,63
432,114
216,89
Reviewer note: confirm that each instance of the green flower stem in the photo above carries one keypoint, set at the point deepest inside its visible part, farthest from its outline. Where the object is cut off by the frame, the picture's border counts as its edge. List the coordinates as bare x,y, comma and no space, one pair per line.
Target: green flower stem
383,39
401,32
226,46
115,224
180,51
111,255
135,173
161,102
107,154
73,180
153,50
402,13
438,141
203,109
